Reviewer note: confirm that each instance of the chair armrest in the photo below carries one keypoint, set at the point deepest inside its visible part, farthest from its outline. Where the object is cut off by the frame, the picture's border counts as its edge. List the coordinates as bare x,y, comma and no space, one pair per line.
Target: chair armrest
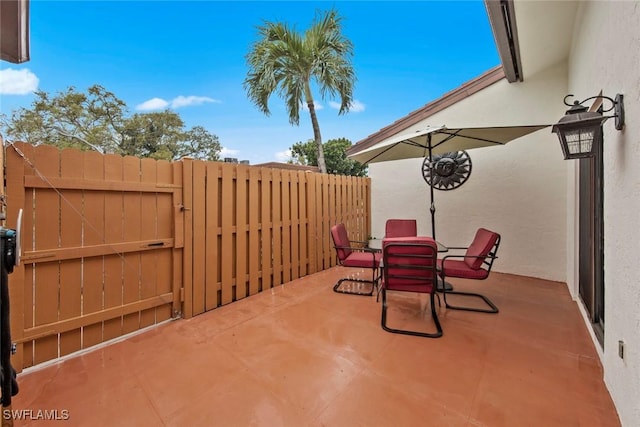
358,248
469,256
361,243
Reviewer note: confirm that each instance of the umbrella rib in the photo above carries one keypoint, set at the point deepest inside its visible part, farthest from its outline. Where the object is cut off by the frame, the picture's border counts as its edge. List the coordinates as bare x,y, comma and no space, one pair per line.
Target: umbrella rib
454,134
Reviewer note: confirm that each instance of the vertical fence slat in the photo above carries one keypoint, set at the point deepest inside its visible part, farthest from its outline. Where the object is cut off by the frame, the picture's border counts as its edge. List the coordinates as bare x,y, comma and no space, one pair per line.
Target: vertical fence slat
241,231
326,220
177,284
93,233
254,232
266,259
30,243
312,229
286,226
114,265
199,224
149,231
295,225
212,236
164,229
71,214
46,221
276,236
132,232
304,223
228,254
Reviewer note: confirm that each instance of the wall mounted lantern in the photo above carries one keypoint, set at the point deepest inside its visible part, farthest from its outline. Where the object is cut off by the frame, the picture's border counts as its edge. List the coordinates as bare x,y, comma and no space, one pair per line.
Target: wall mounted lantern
580,131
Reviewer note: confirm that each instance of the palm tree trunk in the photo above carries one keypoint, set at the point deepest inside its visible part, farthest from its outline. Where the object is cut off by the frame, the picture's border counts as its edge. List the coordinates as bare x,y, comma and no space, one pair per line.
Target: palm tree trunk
317,137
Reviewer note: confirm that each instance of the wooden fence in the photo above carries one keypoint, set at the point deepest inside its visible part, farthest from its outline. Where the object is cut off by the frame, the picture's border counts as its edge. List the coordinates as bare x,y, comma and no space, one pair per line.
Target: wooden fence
114,244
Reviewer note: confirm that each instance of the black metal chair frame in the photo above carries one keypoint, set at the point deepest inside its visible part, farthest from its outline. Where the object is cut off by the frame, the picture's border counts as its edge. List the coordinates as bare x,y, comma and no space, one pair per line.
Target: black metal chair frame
385,273
375,278
486,261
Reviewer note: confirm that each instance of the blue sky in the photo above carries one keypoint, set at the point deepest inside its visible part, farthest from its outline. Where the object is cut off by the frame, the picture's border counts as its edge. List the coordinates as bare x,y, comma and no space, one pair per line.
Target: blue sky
190,56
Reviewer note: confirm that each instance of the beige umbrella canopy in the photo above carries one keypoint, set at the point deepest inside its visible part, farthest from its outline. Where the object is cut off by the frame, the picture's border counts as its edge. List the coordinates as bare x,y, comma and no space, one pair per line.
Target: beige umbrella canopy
430,141
440,140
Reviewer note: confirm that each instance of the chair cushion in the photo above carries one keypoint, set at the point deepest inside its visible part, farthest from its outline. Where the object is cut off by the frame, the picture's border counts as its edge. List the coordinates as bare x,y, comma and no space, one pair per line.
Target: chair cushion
341,241
422,287
480,247
459,268
409,239
401,228
409,264
362,259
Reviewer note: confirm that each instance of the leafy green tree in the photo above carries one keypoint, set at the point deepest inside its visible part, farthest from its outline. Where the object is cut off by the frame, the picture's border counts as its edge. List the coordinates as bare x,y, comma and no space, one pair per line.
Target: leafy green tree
287,62
304,153
98,120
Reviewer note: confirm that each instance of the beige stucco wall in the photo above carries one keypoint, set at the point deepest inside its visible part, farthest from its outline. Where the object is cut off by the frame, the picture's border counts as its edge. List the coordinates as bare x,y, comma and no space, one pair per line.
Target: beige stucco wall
518,190
605,56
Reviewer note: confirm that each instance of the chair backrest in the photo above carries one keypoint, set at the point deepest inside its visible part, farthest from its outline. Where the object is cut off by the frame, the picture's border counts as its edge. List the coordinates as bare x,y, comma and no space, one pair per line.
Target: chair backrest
341,241
410,267
401,228
485,244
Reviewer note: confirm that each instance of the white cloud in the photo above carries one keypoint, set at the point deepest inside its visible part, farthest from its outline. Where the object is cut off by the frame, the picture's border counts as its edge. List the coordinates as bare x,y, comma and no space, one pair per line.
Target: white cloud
177,102
185,101
356,106
152,104
18,82
228,152
283,156
316,104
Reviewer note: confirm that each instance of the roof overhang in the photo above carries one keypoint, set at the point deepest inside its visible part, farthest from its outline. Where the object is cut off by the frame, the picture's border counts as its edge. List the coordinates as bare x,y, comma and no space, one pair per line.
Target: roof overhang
524,46
14,30
502,19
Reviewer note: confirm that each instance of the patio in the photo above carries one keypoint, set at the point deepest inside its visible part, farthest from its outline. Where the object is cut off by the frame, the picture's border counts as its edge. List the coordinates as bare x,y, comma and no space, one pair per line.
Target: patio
301,354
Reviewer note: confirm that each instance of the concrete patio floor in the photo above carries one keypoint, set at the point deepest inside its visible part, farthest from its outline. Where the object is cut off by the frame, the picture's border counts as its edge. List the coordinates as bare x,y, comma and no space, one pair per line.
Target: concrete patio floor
302,355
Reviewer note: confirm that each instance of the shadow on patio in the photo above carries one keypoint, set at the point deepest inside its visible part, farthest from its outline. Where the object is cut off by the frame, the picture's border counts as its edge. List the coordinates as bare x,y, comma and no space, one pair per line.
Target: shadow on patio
304,355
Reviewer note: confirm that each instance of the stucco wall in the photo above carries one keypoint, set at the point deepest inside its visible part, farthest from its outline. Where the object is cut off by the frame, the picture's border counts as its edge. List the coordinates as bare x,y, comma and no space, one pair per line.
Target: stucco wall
518,190
605,57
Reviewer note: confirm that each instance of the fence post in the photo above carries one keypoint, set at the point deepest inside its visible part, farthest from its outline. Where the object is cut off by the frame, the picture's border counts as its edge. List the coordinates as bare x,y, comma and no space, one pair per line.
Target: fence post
14,172
187,255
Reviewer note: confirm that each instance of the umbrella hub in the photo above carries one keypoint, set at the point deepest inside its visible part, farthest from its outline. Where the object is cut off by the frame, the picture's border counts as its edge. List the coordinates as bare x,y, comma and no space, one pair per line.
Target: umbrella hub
445,166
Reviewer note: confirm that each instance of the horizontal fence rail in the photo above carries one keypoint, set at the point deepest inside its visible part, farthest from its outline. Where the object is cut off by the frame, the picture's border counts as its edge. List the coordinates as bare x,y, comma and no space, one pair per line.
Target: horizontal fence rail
114,244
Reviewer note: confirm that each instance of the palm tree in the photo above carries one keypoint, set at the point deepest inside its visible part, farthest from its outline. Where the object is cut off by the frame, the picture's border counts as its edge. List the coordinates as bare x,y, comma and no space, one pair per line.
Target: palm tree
285,61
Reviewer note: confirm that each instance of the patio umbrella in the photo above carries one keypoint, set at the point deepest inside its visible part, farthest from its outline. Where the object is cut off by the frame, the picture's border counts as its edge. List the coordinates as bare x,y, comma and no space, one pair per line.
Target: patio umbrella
438,140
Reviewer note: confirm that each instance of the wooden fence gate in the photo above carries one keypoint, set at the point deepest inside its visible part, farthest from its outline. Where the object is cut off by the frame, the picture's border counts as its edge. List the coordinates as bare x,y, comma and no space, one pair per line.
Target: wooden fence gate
101,251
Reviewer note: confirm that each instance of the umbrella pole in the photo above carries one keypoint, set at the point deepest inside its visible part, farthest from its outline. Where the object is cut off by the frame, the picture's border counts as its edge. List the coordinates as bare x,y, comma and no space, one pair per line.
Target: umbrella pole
433,206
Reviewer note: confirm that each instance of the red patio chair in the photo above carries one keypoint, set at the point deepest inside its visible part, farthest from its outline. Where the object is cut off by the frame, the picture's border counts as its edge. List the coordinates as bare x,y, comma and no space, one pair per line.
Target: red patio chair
410,267
475,264
349,255
401,228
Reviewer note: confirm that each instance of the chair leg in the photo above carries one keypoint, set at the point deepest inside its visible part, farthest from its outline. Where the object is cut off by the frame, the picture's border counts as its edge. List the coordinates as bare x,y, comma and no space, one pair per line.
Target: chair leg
373,282
493,308
434,315
337,287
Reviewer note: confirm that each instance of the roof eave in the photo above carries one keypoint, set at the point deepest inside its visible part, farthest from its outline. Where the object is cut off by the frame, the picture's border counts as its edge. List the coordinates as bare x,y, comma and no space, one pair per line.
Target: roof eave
503,24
